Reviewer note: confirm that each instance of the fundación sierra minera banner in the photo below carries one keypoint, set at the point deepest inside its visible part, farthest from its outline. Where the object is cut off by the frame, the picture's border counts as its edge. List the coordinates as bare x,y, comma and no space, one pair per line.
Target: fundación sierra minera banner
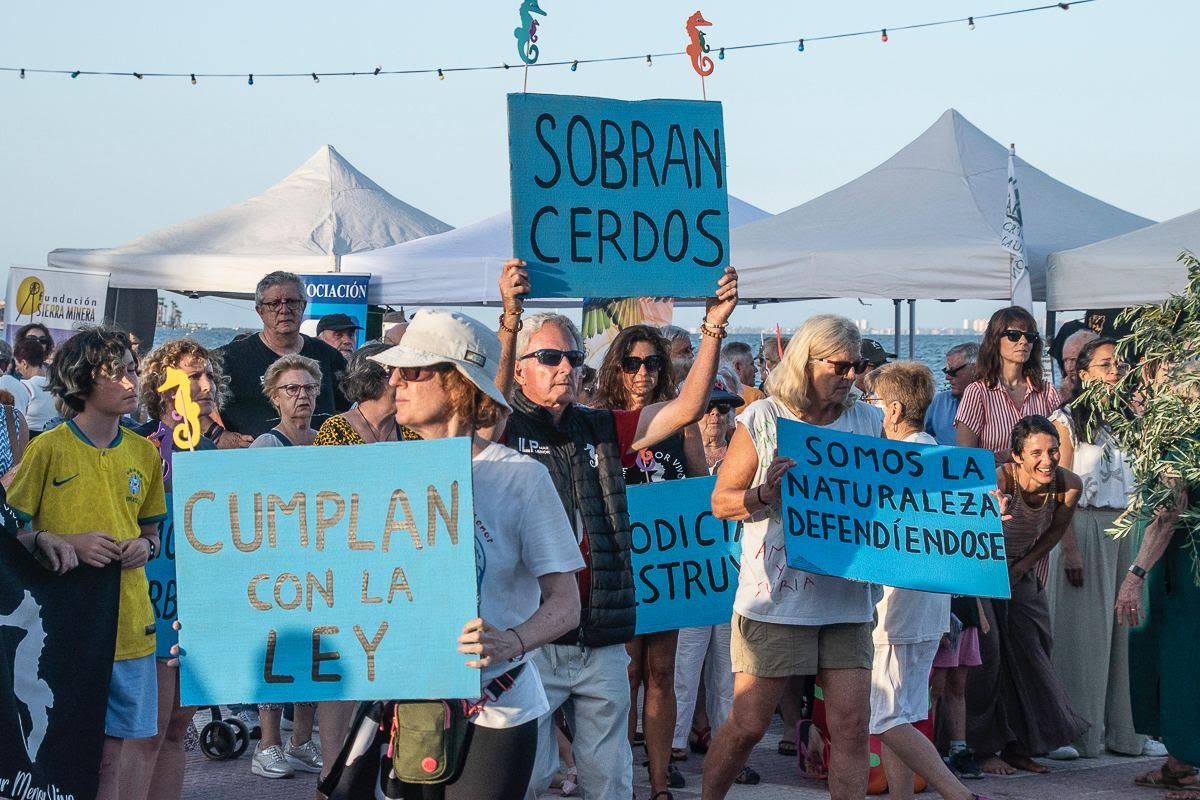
60,299
613,198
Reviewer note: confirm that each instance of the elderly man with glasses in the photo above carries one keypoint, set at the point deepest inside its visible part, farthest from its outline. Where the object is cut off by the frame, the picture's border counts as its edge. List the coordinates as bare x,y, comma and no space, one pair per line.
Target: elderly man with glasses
960,373
279,300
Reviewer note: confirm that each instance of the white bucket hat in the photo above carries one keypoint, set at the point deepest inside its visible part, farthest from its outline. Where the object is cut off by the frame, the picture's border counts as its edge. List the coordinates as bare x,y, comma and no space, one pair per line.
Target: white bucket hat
445,337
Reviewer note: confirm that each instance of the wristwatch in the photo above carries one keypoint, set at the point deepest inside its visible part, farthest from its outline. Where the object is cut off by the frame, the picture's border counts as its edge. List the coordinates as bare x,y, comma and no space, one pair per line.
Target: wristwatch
1137,571
153,549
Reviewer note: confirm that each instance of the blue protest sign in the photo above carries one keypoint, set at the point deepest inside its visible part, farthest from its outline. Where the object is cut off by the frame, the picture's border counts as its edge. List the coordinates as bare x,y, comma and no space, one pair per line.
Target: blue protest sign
164,594
900,514
325,573
612,198
685,560
338,293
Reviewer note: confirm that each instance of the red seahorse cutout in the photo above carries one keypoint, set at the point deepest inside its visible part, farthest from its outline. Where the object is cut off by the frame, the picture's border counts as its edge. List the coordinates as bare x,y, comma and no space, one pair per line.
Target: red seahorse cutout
697,49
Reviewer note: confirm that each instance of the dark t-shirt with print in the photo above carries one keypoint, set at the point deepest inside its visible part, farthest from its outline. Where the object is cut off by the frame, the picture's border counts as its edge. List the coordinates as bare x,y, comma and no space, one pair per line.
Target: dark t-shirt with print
245,362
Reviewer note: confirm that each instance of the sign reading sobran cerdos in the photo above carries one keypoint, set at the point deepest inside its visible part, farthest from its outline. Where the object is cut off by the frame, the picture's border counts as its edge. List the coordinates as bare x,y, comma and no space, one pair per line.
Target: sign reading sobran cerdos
613,198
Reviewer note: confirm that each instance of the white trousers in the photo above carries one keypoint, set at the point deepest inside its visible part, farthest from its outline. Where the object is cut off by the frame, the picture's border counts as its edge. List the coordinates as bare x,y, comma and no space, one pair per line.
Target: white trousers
706,649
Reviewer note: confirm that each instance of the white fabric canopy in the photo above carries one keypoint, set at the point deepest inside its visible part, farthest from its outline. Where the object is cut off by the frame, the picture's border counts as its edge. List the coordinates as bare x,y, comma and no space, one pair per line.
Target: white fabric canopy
307,222
1139,267
924,224
461,267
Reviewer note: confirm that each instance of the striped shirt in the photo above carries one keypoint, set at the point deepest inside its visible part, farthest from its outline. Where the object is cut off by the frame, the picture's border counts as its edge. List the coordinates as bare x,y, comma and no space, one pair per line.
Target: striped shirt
991,414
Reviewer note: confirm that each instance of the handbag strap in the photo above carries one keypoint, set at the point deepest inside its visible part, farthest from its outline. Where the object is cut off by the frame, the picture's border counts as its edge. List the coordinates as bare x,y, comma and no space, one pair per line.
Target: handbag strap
496,687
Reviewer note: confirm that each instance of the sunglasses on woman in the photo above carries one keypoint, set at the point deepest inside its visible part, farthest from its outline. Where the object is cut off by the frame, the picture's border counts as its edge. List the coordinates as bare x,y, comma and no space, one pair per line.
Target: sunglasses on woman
630,365
549,357
421,374
842,368
720,408
1014,335
45,340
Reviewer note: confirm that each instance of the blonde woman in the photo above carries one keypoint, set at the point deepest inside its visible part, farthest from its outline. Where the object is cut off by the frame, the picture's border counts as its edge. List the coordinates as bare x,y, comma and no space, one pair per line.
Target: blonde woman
788,622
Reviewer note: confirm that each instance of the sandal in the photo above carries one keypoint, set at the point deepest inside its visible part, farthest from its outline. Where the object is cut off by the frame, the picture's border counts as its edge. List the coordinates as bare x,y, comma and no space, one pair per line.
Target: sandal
787,748
675,778
748,776
700,740
1166,778
679,754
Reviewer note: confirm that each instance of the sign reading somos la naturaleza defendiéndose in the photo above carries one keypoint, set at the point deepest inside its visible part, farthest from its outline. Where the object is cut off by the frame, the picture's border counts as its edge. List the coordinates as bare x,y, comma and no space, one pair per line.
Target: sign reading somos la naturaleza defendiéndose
325,573
900,514
617,198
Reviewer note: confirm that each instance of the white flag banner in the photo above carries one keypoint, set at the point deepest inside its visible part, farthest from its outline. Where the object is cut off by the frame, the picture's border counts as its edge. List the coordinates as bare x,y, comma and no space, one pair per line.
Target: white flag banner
1013,240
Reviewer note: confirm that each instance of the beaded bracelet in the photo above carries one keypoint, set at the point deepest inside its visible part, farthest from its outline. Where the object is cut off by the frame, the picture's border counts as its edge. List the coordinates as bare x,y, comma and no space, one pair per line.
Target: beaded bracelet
520,322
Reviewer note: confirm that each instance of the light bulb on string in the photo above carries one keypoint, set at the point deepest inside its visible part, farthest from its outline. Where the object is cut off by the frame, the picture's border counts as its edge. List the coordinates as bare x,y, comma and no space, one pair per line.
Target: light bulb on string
1064,6
883,35
75,74
970,23
441,75
574,65
138,75
721,54
193,79
315,78
377,70
649,61
22,73
800,46
250,80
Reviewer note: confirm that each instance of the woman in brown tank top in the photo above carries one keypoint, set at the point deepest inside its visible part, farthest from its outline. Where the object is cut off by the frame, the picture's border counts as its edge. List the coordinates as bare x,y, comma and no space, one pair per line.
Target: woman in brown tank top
1016,706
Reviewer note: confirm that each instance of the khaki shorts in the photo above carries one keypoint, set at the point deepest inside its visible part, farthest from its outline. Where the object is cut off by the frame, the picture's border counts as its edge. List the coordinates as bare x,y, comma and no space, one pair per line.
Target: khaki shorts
772,650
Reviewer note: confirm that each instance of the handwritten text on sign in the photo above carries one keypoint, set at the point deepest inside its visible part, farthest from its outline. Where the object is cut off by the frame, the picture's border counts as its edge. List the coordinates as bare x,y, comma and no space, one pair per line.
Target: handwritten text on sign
613,198
316,573
907,515
685,560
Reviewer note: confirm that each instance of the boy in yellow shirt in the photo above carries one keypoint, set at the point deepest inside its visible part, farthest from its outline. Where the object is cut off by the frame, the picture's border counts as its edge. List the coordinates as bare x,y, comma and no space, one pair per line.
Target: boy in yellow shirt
94,492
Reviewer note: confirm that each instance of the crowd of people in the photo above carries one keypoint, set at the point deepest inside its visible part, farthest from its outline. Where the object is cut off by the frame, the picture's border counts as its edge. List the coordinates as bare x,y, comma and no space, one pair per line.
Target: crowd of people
570,689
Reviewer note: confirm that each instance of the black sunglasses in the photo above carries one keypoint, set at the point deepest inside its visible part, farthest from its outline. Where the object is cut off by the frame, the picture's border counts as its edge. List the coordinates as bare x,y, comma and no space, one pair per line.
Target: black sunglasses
631,364
43,339
549,357
1014,335
722,408
950,373
841,368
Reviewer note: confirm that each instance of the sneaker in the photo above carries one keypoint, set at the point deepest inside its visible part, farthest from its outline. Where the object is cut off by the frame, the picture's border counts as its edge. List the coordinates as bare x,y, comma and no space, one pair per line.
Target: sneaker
271,763
306,757
1066,753
964,764
251,723
1154,748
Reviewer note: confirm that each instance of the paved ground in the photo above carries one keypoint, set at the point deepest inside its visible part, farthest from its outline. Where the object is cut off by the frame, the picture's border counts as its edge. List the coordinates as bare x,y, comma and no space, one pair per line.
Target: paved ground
1108,778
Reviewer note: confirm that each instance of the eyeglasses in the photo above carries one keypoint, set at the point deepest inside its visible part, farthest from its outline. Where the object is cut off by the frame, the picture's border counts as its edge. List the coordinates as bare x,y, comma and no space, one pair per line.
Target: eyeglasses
296,389
950,373
420,374
842,368
1109,366
275,306
720,408
549,357
630,365
1014,335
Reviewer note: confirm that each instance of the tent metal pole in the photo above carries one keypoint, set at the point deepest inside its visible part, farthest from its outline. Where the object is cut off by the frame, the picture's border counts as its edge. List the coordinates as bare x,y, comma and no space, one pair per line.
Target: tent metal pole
912,329
1051,319
896,329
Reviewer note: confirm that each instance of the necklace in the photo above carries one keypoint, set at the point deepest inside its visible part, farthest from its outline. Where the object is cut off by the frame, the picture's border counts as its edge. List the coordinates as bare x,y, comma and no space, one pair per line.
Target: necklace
376,433
1021,492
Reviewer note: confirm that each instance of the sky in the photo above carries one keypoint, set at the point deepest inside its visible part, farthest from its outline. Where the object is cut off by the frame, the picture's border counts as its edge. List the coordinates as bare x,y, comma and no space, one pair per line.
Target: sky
1102,97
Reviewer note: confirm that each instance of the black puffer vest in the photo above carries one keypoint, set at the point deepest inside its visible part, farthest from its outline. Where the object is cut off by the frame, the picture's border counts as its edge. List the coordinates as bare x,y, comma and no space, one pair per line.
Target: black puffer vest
589,479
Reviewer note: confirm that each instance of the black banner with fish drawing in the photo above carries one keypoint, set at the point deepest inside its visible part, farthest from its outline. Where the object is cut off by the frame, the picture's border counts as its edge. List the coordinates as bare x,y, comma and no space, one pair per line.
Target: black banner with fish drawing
57,638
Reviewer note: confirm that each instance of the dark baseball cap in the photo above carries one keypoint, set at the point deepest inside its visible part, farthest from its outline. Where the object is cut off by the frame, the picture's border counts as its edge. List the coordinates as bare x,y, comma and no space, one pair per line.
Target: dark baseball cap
873,352
338,322
721,394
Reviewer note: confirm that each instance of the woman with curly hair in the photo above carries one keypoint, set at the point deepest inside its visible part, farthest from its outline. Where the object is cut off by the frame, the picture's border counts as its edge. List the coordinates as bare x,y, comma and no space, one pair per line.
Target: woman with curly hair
153,766
636,372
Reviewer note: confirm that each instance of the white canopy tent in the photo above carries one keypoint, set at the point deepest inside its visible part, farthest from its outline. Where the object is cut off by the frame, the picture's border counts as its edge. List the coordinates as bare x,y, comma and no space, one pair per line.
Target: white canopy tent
462,267
925,224
1139,267
308,222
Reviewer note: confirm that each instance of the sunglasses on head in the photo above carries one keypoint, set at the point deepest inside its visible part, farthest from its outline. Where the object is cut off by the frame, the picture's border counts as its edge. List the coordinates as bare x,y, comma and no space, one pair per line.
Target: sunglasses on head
630,365
549,357
950,373
841,368
1014,335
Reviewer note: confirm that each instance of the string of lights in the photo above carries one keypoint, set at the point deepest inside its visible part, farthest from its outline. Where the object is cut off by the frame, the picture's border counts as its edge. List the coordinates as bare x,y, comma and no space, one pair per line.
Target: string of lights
574,64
